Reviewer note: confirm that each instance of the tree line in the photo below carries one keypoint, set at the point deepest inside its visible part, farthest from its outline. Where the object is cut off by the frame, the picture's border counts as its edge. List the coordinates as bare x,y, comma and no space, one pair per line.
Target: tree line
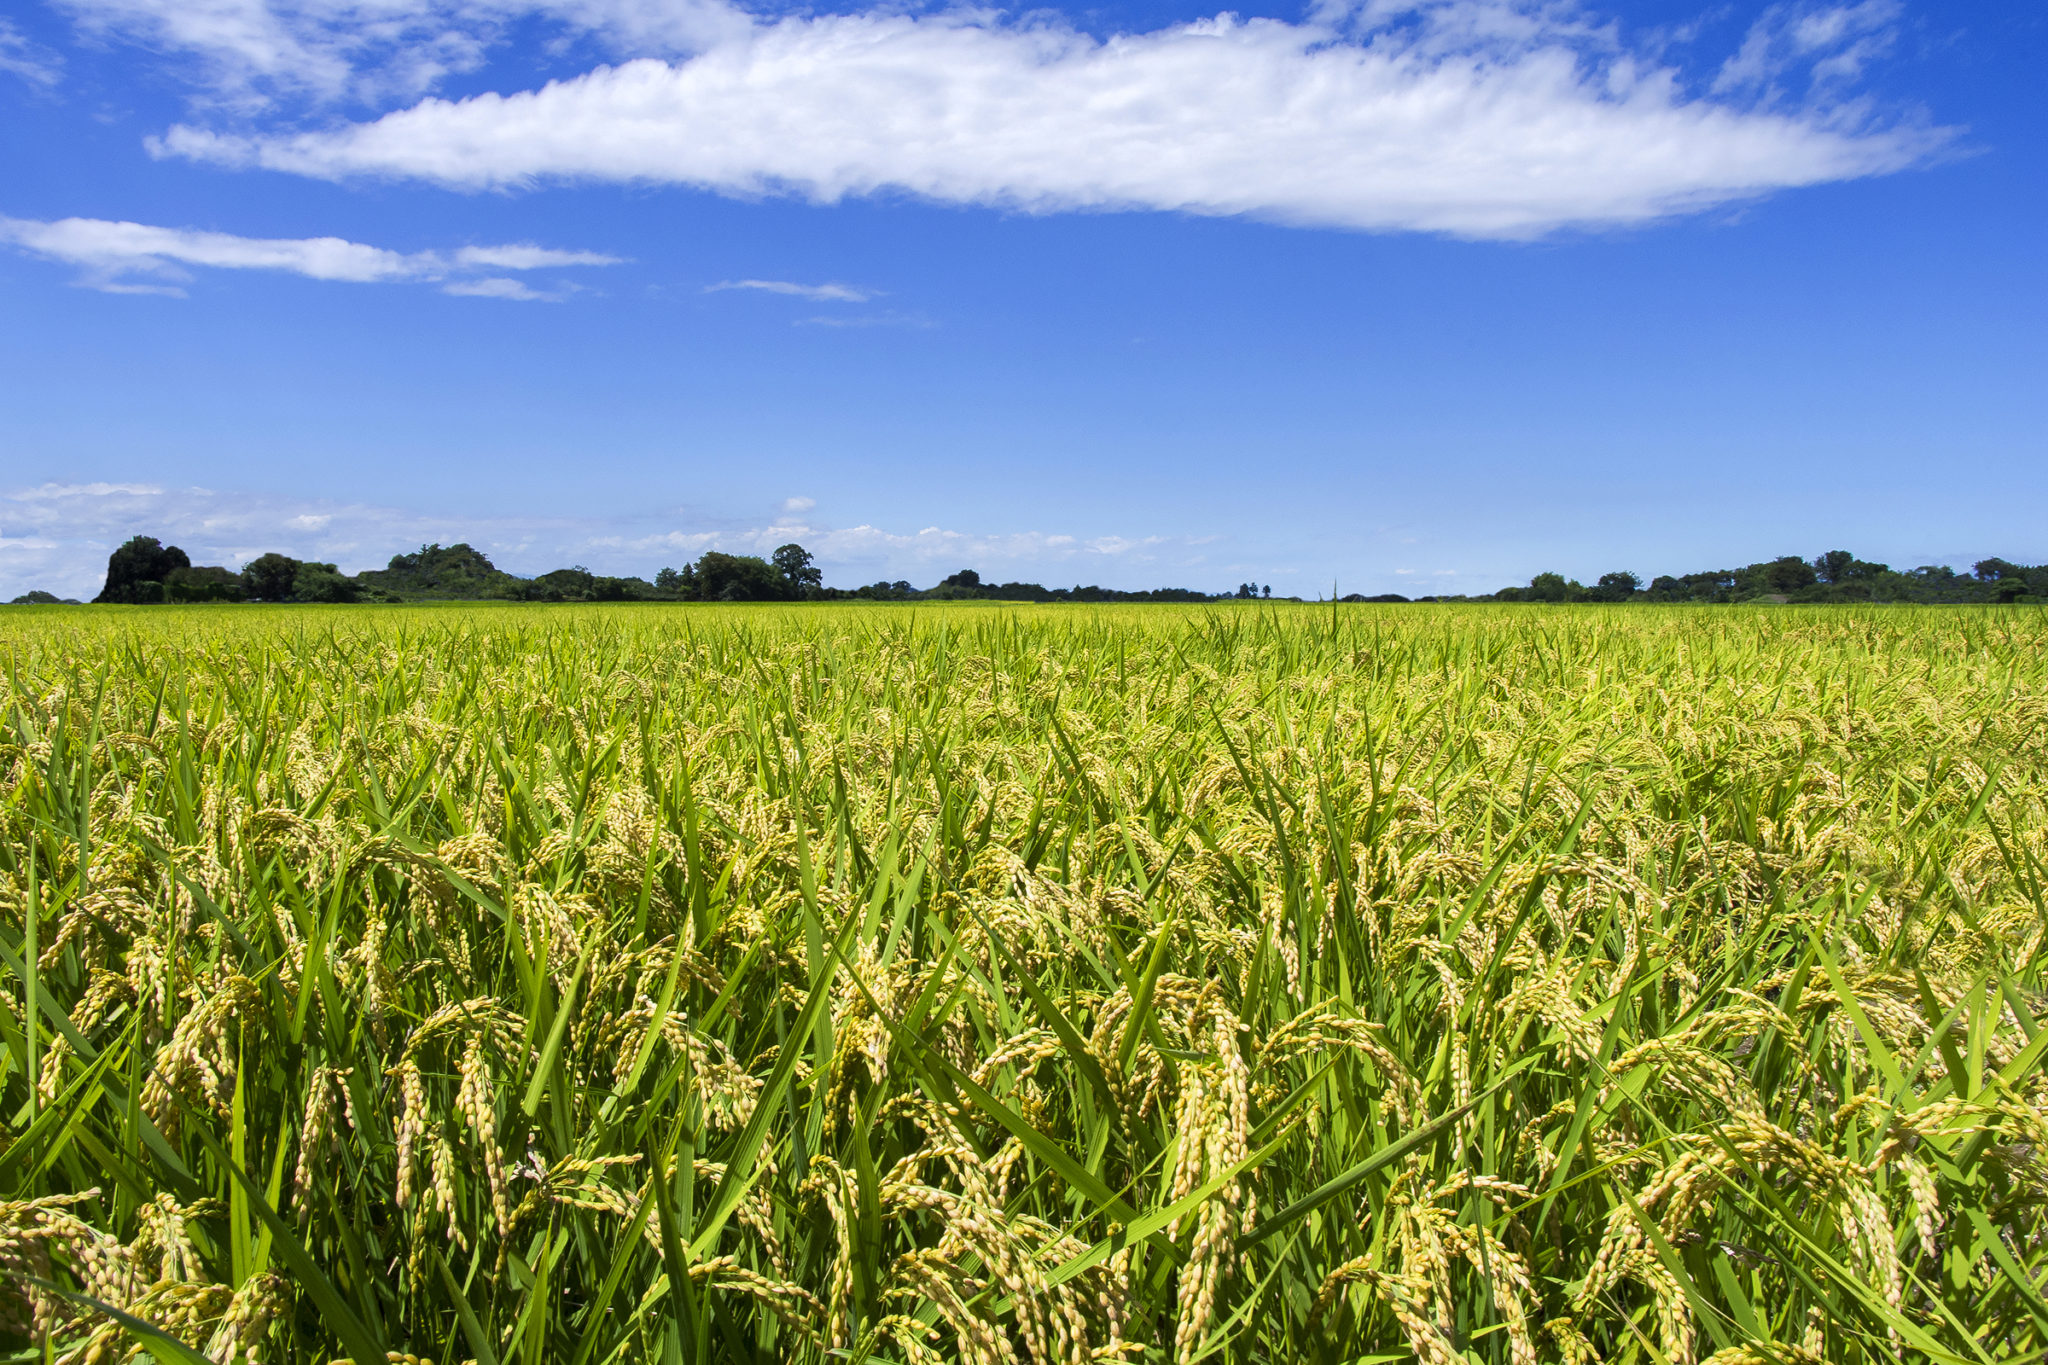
1836,576
144,571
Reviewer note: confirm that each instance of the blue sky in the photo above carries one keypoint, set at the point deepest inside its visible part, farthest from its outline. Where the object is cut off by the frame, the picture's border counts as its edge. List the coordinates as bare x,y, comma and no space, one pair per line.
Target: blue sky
1415,297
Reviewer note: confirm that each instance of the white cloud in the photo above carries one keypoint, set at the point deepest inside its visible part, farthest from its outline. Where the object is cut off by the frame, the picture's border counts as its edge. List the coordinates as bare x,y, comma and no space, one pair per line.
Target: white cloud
1482,118
113,254
32,62
792,506
817,293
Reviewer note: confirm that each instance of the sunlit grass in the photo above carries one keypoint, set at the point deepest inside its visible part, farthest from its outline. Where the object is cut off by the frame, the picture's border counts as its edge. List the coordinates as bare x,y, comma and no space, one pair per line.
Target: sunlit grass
1246,983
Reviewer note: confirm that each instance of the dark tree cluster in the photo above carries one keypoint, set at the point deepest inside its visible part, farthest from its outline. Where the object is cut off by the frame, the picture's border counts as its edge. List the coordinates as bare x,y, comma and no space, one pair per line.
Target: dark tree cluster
146,571
441,571
139,571
786,576
1835,576
967,585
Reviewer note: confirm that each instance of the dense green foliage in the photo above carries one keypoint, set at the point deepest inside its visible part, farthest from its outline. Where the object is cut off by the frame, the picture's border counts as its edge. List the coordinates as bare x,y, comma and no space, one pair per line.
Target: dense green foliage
137,571
997,984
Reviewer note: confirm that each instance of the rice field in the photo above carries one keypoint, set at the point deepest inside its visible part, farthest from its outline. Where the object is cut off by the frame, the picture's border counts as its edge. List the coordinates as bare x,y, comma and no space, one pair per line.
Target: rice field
1243,984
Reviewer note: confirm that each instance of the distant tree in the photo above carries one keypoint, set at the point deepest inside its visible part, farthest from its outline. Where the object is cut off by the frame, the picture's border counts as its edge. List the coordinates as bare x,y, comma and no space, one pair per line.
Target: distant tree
1835,576
269,577
1787,574
573,584
1837,567
1266,591
1833,566
203,583
1617,587
443,571
966,578
36,597
604,588
801,576
669,580
323,583
137,570
737,578
1717,585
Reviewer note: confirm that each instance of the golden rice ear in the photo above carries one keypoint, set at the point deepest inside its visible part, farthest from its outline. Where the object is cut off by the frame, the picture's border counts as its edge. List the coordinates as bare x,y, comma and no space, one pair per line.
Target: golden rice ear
475,1101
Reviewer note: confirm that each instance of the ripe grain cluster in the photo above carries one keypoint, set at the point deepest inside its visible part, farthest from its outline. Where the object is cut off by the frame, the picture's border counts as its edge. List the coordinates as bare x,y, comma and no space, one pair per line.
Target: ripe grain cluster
1039,985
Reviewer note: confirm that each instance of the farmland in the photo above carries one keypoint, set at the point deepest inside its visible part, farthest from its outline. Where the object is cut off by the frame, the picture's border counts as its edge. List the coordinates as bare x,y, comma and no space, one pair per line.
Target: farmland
991,984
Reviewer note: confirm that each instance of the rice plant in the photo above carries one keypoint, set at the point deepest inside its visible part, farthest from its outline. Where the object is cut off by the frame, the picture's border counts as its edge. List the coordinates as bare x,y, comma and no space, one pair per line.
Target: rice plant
1023,985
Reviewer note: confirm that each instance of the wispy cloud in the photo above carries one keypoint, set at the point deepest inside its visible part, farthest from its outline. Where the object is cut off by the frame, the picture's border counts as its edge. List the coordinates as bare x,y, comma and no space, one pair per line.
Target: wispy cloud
816,293
525,256
245,56
889,319
122,257
503,287
70,492
1479,118
1830,45
56,536
30,61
